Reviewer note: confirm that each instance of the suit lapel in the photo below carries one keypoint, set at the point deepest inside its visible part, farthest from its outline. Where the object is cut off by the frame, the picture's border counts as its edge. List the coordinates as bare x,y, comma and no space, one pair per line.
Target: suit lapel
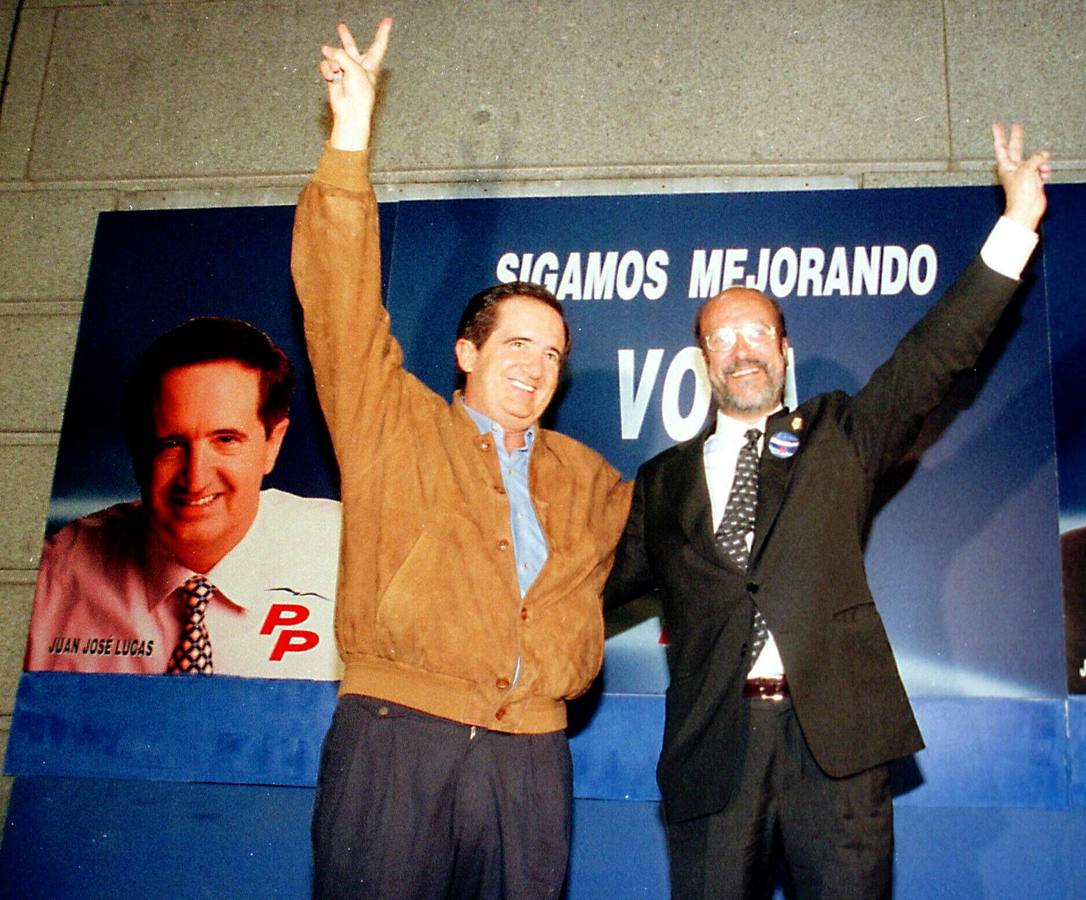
693,508
775,470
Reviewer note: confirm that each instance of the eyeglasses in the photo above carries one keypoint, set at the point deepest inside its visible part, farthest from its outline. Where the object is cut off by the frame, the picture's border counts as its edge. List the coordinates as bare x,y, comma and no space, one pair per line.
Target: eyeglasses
754,333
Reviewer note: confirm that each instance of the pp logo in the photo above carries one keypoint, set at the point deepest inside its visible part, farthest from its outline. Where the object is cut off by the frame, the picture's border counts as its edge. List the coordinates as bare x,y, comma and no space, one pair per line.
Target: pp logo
284,618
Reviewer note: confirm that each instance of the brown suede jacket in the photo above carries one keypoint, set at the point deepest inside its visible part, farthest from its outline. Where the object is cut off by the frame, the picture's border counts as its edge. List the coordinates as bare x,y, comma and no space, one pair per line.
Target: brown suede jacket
429,614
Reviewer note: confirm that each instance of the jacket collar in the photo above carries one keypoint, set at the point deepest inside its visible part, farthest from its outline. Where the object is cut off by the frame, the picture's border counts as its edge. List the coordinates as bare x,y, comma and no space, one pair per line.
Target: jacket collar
775,469
774,473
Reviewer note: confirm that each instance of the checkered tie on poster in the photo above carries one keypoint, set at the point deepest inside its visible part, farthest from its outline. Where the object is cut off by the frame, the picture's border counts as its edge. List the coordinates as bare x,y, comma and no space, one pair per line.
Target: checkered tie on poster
738,521
192,655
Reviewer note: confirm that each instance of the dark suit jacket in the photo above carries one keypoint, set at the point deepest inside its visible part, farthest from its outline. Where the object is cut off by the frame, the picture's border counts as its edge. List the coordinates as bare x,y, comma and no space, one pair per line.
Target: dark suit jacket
806,570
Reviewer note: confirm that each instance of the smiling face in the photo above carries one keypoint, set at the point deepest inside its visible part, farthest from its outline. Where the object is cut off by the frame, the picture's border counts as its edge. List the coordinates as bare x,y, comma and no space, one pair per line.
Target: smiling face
513,375
747,381
211,453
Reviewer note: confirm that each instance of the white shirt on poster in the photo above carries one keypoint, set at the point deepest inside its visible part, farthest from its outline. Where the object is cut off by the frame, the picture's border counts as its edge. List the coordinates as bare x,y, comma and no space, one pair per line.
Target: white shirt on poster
106,598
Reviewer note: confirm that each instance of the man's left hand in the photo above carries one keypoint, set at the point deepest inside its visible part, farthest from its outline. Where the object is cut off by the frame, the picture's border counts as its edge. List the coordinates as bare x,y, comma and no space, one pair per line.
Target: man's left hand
1023,180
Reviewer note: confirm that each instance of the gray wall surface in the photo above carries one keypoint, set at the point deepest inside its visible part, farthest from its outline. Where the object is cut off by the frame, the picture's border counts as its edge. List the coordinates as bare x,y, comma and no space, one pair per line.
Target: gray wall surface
130,104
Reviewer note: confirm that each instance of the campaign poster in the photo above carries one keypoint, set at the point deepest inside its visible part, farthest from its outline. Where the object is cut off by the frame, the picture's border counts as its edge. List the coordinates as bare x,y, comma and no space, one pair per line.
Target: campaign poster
194,520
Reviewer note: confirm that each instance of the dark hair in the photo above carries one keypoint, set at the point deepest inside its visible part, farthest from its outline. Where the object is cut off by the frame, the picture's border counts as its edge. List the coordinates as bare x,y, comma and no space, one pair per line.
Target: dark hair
201,340
479,316
772,301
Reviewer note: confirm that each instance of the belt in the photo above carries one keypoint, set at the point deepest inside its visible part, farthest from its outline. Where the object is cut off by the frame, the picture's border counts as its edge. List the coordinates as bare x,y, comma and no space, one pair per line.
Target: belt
775,689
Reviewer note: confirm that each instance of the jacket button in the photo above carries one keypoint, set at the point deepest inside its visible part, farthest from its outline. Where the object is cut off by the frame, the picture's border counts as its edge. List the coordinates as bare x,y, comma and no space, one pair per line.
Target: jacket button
499,489
383,711
524,613
500,714
484,445
502,684
503,544
752,587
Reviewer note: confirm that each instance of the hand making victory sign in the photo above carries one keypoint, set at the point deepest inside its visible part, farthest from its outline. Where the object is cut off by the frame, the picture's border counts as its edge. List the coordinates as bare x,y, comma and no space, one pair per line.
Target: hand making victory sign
352,85
1023,180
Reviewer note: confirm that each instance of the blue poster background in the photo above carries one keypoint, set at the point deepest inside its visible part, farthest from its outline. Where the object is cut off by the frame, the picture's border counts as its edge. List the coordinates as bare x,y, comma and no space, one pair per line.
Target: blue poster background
967,535
1065,273
968,532
1066,276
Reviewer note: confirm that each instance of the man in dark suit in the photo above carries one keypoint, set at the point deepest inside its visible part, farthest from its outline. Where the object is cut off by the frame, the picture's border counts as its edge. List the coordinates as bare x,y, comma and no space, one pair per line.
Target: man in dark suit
785,704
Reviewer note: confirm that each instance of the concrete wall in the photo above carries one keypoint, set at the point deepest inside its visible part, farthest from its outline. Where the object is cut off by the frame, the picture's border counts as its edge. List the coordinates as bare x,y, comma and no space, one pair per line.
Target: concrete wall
132,104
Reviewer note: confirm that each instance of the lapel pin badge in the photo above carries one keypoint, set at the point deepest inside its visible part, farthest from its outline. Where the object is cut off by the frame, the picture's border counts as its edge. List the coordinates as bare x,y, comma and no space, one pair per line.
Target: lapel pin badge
783,444
797,423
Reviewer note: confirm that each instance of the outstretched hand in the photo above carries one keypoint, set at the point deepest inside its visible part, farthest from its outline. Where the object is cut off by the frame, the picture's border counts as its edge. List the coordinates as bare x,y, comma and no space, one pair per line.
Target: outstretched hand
1023,180
352,85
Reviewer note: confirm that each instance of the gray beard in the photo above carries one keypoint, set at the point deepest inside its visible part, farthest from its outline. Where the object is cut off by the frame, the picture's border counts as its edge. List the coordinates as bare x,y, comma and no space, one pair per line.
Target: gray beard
767,399
730,403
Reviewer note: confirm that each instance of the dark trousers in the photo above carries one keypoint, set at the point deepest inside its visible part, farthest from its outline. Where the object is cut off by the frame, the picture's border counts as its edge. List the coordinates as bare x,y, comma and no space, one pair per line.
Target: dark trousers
413,806
836,835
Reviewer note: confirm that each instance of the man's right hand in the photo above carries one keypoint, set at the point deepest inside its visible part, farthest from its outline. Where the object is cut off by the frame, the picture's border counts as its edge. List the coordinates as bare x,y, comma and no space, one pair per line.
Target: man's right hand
352,85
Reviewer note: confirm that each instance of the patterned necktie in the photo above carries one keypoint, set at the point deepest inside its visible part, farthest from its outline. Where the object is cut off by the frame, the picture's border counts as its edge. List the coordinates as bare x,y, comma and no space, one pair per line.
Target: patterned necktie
192,655
738,522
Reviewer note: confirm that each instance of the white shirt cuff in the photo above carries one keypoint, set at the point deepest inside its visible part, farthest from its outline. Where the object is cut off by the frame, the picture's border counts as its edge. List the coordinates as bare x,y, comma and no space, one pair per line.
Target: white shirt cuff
1008,248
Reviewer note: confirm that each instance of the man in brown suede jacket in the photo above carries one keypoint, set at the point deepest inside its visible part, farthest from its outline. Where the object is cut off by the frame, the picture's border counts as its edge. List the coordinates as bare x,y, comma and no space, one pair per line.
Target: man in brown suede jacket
475,546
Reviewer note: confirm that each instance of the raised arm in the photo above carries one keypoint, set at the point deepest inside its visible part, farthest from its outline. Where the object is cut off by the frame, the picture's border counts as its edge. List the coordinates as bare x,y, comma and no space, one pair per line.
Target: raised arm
1023,180
352,85
336,263
888,412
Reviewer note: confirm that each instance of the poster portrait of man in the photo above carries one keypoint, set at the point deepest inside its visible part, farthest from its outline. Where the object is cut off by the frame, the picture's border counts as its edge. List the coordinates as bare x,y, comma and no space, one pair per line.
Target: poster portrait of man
206,573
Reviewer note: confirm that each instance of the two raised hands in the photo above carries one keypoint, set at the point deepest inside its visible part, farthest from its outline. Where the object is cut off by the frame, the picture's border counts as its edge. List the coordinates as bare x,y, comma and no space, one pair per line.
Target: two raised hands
352,77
